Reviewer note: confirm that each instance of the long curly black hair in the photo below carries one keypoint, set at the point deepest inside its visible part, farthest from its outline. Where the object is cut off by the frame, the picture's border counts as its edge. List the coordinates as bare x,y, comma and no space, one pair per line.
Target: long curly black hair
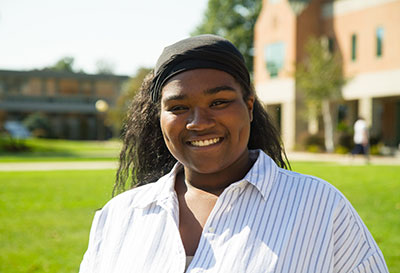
144,156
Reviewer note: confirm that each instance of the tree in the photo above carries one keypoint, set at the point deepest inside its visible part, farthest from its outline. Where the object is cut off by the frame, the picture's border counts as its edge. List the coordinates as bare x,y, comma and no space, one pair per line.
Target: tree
104,67
65,64
117,114
234,20
38,124
320,77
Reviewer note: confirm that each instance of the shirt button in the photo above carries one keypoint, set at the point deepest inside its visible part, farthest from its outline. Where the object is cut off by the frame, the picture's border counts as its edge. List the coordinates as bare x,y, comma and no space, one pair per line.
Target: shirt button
211,229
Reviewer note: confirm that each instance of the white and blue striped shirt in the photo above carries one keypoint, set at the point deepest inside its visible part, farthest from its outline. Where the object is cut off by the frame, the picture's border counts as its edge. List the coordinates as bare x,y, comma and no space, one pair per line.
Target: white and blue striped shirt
273,220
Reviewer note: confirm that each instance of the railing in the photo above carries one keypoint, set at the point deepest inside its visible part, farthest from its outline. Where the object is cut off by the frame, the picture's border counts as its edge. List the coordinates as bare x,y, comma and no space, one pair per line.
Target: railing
59,99
50,103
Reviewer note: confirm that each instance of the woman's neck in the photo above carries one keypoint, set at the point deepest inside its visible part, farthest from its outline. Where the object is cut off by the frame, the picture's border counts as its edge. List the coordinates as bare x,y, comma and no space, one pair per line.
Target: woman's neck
215,183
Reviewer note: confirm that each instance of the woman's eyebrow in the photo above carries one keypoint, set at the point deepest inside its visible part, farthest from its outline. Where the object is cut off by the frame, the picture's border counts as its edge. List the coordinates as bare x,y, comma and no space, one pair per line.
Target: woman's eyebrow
217,89
210,91
174,97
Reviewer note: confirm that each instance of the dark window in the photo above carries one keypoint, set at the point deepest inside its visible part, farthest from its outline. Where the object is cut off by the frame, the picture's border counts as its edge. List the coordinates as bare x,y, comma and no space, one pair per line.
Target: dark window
353,47
342,113
331,45
379,41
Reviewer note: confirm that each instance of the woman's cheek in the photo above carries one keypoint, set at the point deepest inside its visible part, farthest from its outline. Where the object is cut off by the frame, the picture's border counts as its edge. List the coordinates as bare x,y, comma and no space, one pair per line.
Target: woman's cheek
170,126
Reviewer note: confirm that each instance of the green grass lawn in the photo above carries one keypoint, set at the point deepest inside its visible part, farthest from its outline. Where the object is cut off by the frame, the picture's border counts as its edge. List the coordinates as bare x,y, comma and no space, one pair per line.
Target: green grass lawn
45,216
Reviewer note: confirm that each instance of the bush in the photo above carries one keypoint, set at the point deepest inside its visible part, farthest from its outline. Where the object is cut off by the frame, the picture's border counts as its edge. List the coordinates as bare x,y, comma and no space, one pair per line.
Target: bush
314,143
38,124
376,149
346,141
11,145
313,149
342,150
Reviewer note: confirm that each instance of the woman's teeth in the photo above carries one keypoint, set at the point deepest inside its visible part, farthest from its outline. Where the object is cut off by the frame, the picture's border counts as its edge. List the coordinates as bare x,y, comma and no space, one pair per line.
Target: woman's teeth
207,142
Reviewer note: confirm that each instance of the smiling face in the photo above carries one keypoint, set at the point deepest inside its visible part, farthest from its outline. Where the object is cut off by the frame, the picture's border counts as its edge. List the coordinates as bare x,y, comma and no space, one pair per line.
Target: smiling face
205,121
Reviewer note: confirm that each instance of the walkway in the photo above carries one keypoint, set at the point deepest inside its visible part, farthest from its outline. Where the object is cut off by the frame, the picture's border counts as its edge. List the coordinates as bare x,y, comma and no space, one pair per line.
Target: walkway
102,165
60,165
343,159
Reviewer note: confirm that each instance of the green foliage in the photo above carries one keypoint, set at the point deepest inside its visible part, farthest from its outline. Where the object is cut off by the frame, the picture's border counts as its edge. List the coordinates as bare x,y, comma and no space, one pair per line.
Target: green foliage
343,127
320,78
65,64
117,114
314,148
234,20
346,140
104,67
12,145
320,75
342,150
375,149
38,124
314,143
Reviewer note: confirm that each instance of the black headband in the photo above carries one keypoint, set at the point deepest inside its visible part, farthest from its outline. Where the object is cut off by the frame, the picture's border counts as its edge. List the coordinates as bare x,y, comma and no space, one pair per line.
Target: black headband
203,51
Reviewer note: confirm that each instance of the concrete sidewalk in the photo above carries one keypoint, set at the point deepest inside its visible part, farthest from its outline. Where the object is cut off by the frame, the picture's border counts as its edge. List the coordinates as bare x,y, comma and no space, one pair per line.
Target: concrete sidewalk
102,165
61,165
343,159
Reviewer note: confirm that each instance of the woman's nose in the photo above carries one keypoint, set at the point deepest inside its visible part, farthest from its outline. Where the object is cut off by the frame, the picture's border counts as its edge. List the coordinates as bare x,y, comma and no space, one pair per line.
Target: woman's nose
200,119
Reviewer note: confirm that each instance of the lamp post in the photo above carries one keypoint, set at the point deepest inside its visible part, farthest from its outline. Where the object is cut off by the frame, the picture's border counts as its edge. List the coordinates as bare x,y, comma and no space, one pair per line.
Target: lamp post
101,107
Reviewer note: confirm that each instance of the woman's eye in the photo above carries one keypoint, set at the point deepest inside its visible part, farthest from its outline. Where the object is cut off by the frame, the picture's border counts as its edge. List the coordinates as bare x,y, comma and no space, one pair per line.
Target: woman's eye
219,103
177,108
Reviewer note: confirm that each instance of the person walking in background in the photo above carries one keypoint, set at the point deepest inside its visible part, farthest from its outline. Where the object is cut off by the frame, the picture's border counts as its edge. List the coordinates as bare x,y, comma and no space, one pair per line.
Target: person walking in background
361,137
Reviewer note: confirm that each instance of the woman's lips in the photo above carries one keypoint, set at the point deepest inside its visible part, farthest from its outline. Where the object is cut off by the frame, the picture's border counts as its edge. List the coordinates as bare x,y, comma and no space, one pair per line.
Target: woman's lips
205,142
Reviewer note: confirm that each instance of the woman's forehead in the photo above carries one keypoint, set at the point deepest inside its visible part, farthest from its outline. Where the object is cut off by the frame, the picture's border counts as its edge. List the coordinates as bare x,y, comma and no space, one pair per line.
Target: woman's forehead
207,81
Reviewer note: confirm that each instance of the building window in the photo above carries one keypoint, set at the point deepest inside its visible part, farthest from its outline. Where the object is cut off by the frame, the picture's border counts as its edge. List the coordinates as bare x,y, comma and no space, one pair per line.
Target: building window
353,47
50,87
68,87
379,41
12,85
275,57
105,89
331,45
87,88
35,87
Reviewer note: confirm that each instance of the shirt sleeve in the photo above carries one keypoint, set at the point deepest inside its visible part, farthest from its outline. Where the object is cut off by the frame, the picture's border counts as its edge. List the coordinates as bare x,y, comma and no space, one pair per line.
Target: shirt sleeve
355,250
87,262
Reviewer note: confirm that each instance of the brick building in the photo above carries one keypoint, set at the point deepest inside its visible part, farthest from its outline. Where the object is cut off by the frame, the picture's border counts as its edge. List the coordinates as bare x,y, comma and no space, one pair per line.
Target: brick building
68,100
366,34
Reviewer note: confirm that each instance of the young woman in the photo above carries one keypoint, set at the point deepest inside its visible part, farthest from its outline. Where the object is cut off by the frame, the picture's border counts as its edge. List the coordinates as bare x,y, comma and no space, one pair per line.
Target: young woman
211,190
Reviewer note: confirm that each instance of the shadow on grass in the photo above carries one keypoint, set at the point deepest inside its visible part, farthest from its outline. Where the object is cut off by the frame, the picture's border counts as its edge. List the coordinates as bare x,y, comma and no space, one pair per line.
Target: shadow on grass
52,149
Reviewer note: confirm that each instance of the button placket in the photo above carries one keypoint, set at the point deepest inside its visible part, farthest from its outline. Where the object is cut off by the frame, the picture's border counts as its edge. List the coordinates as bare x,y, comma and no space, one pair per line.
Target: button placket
223,205
170,205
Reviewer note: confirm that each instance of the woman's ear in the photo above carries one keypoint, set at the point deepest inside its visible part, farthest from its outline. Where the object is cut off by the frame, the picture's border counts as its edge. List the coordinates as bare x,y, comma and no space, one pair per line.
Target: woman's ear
250,105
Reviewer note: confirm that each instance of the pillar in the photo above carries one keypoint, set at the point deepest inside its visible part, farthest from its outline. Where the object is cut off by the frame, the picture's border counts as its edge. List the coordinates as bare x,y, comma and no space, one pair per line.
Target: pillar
288,124
365,109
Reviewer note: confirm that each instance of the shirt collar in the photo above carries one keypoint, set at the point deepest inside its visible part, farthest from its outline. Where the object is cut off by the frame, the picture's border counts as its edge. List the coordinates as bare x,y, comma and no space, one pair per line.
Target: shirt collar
263,173
262,176
162,189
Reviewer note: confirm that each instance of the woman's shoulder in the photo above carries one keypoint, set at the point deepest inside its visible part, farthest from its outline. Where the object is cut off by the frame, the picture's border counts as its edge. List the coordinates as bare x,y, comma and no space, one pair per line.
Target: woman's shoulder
136,197
309,181
279,176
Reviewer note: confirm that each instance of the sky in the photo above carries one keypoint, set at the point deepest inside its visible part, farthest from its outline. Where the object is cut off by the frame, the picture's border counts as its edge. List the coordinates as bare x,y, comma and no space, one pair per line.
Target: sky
127,34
